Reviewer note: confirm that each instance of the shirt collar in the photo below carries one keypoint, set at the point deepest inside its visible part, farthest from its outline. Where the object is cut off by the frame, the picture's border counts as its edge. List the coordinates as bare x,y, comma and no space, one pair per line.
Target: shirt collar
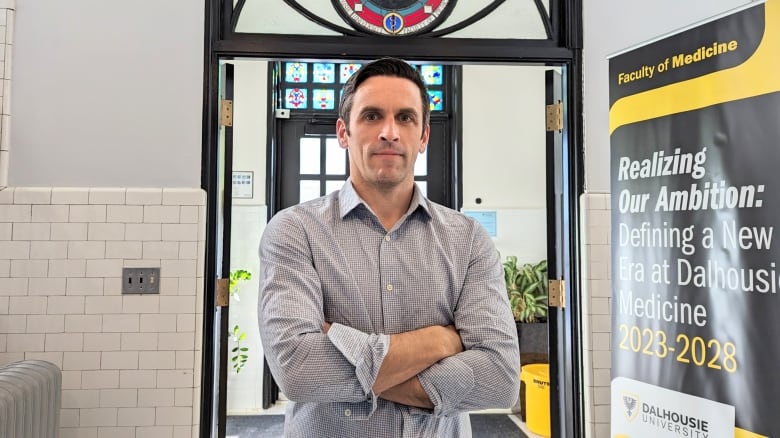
349,200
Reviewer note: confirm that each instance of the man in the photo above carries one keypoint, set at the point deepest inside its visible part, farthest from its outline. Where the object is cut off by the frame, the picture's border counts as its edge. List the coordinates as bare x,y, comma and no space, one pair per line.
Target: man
381,313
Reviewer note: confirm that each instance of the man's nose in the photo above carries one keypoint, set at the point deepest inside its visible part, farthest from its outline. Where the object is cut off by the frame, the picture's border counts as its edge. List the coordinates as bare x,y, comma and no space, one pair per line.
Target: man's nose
389,130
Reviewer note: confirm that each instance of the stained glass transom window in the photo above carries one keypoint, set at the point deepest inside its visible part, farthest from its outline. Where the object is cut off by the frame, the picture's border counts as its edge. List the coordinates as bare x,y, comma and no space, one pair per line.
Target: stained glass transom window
324,73
296,98
296,72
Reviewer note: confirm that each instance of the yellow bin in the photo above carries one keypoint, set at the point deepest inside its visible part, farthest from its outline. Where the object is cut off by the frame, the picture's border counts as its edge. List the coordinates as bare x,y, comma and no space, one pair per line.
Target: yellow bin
537,397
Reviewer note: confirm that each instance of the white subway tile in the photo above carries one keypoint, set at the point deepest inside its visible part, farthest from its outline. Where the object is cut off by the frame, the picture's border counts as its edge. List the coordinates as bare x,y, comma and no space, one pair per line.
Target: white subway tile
188,286
156,323
71,379
53,357
143,232
177,268
602,359
124,250
15,213
112,286
160,250
29,268
48,250
184,397
599,306
59,305
601,413
50,213
142,263
188,250
6,230
601,323
119,360
138,379
136,417
174,379
155,431
20,343
100,379
104,267
103,304
120,323
602,341
118,398
180,232
174,416
84,286
4,305
80,398
81,361
6,358
31,231
185,359
169,286
11,249
13,324
6,194
86,250
162,214
125,213
69,195
101,342
67,268
139,341
144,196
116,432
177,304
45,323
98,417
156,397
157,360
600,288
83,323
32,195
140,304
69,417
602,377
189,215
28,305
13,286
106,231
69,231
185,322
64,342
87,213
183,197
102,195
79,432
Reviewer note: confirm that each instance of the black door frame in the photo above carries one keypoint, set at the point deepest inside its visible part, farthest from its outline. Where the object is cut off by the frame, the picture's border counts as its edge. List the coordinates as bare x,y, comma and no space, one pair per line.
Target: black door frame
563,49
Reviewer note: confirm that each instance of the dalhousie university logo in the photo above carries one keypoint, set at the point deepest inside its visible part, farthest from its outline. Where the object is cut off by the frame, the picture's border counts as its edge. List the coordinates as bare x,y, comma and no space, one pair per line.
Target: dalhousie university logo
630,405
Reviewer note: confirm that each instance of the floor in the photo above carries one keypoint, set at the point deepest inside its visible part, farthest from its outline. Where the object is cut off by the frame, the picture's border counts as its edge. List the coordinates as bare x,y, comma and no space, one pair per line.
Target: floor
487,424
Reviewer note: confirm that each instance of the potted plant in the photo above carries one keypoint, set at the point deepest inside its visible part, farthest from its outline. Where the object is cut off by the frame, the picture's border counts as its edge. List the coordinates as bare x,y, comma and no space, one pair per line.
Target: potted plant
527,290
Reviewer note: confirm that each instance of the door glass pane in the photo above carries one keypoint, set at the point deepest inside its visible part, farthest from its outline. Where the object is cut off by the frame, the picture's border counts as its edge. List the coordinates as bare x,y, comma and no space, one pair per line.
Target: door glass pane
421,165
423,187
332,186
335,157
310,156
309,190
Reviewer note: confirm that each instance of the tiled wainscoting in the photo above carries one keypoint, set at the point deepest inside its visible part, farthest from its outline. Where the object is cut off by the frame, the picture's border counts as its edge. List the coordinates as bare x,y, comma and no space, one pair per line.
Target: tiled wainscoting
6,43
597,311
130,363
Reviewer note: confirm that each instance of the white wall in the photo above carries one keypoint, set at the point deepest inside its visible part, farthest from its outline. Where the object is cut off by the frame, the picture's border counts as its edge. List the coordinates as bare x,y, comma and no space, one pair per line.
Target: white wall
107,93
611,26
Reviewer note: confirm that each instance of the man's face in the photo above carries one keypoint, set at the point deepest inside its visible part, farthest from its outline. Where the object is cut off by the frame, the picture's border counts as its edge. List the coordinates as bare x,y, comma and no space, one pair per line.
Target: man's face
385,132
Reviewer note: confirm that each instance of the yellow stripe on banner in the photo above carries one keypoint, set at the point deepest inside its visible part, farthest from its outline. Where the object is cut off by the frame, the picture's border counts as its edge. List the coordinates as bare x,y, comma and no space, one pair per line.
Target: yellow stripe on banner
742,433
754,77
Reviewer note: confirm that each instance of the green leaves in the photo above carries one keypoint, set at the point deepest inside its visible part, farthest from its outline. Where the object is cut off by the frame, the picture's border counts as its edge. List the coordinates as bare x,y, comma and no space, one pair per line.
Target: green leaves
239,354
526,287
235,278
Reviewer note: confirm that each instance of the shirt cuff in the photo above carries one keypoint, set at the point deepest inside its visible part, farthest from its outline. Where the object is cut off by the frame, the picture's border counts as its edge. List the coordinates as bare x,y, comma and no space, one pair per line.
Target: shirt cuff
364,351
447,383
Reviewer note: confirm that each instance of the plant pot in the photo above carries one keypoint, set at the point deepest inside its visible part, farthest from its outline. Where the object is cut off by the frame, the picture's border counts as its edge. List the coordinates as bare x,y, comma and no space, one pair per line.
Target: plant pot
534,347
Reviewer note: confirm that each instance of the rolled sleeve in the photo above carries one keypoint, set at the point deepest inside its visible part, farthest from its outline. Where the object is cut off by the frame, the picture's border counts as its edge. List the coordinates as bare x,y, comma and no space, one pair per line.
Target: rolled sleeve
453,374
364,351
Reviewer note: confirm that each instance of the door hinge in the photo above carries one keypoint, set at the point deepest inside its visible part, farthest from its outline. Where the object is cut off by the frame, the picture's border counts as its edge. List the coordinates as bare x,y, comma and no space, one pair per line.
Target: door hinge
223,292
226,113
556,294
554,117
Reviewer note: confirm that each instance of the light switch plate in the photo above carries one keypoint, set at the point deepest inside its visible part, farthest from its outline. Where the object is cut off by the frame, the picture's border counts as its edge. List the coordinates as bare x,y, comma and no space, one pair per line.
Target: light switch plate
140,280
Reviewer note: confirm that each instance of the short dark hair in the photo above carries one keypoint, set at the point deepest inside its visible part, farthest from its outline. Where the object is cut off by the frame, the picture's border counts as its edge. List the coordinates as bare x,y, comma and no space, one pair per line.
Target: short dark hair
383,67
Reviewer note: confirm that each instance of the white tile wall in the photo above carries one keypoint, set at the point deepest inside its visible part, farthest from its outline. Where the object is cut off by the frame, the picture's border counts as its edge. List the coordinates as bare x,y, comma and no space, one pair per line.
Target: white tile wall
130,363
597,311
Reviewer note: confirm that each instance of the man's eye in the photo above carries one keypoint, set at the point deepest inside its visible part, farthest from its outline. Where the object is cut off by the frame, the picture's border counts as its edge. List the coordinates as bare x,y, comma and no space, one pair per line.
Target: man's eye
371,116
406,118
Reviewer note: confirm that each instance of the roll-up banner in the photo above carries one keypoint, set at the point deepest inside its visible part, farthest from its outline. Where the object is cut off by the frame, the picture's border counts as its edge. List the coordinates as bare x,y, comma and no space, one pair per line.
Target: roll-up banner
695,172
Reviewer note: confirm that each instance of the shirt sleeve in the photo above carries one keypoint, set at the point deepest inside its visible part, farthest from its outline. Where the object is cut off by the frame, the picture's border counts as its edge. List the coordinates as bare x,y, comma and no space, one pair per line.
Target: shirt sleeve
487,373
309,365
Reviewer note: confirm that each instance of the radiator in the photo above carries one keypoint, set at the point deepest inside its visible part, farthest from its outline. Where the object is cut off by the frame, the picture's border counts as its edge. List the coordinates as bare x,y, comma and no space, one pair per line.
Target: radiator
30,397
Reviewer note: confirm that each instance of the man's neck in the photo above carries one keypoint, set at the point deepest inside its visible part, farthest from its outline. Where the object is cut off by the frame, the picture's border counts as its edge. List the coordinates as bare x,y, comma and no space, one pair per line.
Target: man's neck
389,205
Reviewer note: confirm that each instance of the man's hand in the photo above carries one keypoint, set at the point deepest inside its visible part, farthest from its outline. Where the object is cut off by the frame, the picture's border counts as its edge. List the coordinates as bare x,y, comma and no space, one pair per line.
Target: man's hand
326,328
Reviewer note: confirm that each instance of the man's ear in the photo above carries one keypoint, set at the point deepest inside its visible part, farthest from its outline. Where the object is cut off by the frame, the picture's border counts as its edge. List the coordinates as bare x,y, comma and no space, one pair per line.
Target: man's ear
342,134
425,137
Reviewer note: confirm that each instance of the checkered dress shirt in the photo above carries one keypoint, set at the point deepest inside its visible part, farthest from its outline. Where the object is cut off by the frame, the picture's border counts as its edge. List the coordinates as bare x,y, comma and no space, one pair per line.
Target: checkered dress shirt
331,260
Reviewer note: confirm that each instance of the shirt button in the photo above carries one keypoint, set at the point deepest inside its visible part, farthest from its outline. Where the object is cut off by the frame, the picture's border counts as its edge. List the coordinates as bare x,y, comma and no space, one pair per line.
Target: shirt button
347,412
390,287
387,237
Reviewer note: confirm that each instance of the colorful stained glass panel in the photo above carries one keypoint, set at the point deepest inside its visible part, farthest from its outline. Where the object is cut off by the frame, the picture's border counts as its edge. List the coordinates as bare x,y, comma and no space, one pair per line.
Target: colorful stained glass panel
295,98
296,72
436,99
323,99
323,73
347,70
432,74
